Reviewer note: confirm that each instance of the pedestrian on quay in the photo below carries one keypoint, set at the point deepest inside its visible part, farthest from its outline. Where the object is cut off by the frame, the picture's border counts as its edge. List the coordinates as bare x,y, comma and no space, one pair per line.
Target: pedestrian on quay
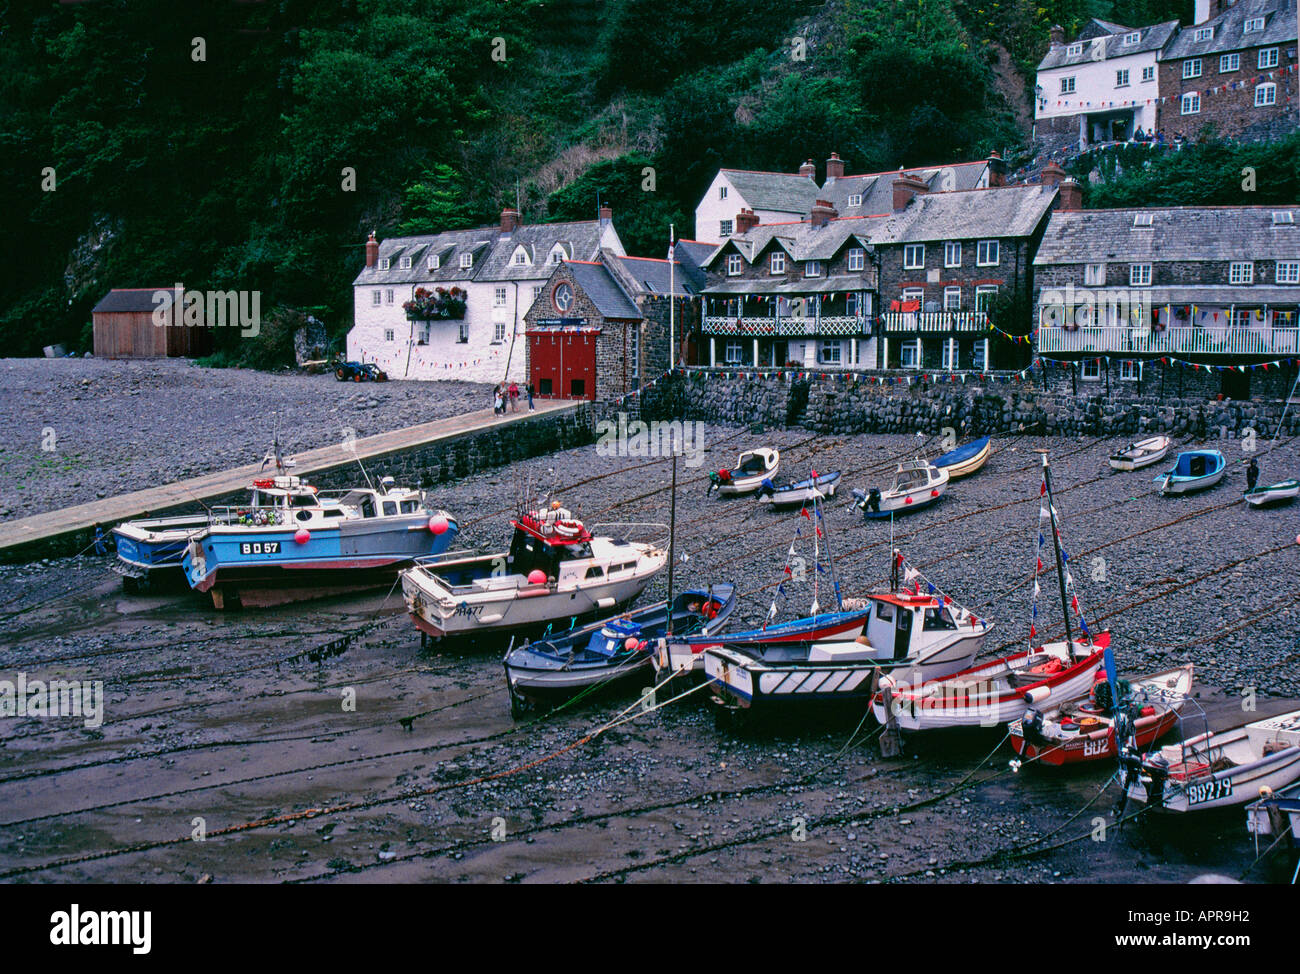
1252,474
530,397
514,397
497,405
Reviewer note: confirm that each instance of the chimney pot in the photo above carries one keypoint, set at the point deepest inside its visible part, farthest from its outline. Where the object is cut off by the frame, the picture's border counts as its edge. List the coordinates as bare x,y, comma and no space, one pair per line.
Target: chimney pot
834,167
746,220
822,213
808,169
1058,36
907,186
372,250
997,170
509,220
1071,195
1051,175
606,214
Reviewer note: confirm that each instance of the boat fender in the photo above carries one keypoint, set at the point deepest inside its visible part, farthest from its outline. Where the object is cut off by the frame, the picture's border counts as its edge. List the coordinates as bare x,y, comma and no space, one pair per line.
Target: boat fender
438,524
886,683
1037,695
630,643
302,536
537,577
568,529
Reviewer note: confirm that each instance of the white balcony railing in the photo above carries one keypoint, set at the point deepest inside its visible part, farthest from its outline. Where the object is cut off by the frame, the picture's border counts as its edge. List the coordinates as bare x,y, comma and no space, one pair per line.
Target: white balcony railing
1175,340
936,321
758,326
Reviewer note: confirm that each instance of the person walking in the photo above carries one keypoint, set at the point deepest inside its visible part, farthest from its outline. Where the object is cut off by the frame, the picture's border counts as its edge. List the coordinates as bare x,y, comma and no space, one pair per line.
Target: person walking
530,397
497,405
514,397
1252,474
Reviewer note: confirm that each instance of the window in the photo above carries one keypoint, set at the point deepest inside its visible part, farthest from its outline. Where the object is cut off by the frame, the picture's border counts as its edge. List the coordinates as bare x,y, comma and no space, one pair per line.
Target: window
1268,57
404,264
913,294
722,192
1121,78
634,351
1149,73
433,263
376,298
1265,94
1130,369
1067,86
987,253
422,336
1229,62
980,354
1288,272
1139,275
952,253
734,354
1284,319
724,228
388,296
952,299
466,261
499,332
1204,33
1074,50
778,263
388,334
537,291
521,258
1253,26
812,268
1240,318
499,297
855,199
984,295
385,263
1192,67
1191,103
1090,371
1143,219
830,353
1133,38
913,256
1094,275
1241,272
910,354
949,354
463,336
857,259
733,265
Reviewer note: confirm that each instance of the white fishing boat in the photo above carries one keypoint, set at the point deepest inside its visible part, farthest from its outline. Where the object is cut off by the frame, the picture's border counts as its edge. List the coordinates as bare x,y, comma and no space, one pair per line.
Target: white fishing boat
1195,470
818,486
1280,493
555,571
1217,769
1143,453
751,469
917,485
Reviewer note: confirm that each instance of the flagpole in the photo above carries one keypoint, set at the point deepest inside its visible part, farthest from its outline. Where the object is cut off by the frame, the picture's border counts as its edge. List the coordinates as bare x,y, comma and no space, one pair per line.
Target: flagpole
672,304
672,543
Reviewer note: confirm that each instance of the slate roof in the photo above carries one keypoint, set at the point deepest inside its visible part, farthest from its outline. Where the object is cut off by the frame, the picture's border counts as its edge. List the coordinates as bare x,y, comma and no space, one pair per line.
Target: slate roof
1006,211
877,189
1153,38
1177,233
604,291
650,275
802,241
1229,35
781,191
132,299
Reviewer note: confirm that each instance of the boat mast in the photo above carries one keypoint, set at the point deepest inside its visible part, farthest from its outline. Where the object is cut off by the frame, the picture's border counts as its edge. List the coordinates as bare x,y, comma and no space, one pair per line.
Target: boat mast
830,555
1056,545
672,543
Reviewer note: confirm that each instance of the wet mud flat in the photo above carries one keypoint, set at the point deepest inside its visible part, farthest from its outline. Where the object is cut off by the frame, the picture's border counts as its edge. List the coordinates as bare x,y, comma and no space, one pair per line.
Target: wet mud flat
317,742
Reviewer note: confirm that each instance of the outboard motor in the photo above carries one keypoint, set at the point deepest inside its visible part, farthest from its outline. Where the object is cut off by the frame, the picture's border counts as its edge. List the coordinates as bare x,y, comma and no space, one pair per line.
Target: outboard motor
1157,769
870,499
766,488
1031,726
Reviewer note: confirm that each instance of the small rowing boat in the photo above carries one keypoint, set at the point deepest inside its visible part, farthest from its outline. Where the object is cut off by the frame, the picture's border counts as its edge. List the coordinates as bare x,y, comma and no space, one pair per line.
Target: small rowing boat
1143,453
1281,493
800,492
1086,729
917,485
966,460
1194,470
751,469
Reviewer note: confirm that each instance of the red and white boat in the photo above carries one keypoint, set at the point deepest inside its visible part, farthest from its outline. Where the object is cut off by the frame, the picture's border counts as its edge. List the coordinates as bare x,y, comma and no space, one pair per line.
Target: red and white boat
1085,730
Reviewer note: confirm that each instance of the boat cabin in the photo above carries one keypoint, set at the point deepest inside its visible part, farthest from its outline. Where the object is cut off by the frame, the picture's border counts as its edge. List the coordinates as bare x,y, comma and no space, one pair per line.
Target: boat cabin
902,625
283,492
1195,464
915,476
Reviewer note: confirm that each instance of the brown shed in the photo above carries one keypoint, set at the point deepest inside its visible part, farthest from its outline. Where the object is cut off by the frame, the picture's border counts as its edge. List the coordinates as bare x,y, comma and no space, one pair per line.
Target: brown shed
125,327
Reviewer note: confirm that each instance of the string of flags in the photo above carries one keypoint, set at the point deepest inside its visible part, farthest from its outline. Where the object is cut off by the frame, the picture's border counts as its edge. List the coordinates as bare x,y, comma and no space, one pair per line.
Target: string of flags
1163,99
914,576
787,570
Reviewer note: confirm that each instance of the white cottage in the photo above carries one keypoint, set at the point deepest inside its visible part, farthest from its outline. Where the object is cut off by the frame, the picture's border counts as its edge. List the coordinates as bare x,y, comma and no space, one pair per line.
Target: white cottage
478,282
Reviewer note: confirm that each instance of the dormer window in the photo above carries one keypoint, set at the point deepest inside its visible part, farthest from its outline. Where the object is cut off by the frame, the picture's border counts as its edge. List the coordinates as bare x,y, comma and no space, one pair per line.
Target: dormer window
1074,50
557,255
1253,25
1204,33
404,263
434,262
778,263
1283,218
855,199
733,265
1133,38
520,258
466,261
384,263
812,268
1143,219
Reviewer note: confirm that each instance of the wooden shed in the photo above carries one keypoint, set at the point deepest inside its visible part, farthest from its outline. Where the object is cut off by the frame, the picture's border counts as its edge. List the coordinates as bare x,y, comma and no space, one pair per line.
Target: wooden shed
125,327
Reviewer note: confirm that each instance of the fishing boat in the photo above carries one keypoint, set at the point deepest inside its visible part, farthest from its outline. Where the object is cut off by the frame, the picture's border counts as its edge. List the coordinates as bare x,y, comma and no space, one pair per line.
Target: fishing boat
800,492
1090,729
1280,493
613,649
751,469
555,569
1216,770
154,545
1275,813
1141,454
1194,470
295,543
965,460
917,485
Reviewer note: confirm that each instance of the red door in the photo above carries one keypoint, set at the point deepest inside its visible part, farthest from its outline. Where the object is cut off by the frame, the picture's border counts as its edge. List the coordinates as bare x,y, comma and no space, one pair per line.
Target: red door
563,365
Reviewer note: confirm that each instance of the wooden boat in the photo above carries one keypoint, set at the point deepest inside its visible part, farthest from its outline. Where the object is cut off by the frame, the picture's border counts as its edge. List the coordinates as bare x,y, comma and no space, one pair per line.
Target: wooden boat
1281,493
297,544
965,460
919,634
1143,453
1085,729
800,492
1275,812
751,469
610,650
555,569
1195,470
917,485
1217,770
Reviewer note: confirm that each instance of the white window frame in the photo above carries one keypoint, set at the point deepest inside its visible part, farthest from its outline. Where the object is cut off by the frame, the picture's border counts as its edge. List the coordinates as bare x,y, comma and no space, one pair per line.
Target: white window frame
634,351
462,333
724,228
1067,85
827,346
376,298
388,296
434,262
733,353
911,260
498,332
952,253
1241,272
1143,219
855,199
857,259
520,258
1094,275
385,263
776,262
1192,68
1139,275
1229,63
952,298
498,297
1090,370
950,352
466,261
388,335
812,268
404,263
982,251
1267,57
1121,78
1253,26
914,294
1149,73
1130,370
734,265
984,295
722,192
1265,94
1074,50
1133,38
1287,272
913,346
1204,33
980,354
1191,104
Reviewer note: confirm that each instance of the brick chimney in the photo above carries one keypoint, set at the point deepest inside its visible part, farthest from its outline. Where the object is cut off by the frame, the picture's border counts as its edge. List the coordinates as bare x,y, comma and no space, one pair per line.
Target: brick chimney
1051,175
746,220
1071,197
997,170
1058,37
606,214
906,186
834,167
822,213
372,250
808,169
509,220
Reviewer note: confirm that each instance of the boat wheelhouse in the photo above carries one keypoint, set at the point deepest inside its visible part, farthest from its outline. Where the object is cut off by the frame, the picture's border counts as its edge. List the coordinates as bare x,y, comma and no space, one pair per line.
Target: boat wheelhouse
917,485
752,468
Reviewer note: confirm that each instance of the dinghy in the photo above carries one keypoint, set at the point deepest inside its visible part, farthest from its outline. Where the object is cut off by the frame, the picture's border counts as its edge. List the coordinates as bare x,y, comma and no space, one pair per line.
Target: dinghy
1216,770
554,570
1195,470
965,460
1143,453
801,492
751,469
917,485
1085,729
1282,493
611,650
1275,813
